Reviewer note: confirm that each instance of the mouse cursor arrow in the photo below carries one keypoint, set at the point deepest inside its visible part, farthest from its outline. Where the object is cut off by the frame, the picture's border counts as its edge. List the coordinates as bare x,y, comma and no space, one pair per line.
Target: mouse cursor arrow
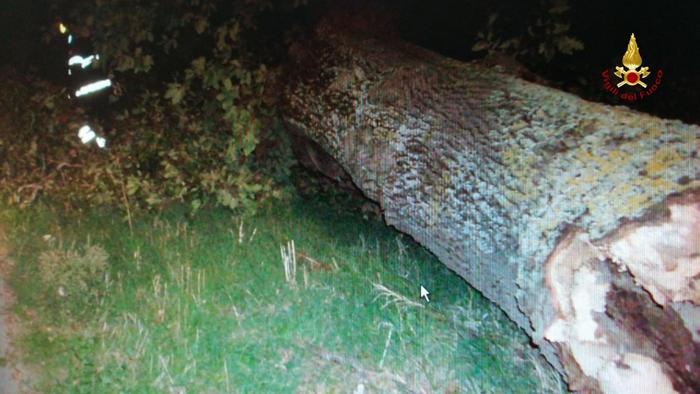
424,293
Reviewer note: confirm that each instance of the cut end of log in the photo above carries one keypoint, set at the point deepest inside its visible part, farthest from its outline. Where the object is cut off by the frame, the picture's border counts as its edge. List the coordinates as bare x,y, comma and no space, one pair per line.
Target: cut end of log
611,296
664,258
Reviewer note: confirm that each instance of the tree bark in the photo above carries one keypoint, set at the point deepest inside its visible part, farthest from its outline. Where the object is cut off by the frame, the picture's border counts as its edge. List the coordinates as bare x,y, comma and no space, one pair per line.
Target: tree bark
580,220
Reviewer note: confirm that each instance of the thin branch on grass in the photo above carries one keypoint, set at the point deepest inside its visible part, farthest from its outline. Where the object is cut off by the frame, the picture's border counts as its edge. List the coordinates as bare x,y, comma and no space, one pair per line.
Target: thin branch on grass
35,187
316,265
391,297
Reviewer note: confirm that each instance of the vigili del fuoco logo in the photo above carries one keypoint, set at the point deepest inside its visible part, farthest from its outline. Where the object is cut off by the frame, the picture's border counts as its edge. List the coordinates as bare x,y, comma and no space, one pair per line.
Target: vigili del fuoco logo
631,82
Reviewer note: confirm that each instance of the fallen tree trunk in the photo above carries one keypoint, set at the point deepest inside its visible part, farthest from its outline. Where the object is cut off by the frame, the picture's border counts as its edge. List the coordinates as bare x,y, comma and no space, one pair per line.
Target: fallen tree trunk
580,220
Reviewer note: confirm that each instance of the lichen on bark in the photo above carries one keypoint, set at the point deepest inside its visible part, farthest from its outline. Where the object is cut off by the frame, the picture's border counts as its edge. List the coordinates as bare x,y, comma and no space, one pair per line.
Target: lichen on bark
489,172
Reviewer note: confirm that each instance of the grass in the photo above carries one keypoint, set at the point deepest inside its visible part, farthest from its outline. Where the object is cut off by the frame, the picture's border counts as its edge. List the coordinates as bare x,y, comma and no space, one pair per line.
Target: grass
219,304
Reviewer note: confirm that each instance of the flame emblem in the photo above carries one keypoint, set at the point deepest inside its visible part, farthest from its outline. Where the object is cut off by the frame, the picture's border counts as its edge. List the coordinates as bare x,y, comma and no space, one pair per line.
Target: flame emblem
631,61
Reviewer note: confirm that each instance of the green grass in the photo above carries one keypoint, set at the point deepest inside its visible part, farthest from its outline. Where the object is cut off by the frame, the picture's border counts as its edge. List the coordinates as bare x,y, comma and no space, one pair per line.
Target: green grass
202,306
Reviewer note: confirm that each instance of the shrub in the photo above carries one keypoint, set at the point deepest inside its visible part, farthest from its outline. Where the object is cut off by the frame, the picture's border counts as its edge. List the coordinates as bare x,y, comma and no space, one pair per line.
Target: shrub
547,33
188,120
197,121
39,147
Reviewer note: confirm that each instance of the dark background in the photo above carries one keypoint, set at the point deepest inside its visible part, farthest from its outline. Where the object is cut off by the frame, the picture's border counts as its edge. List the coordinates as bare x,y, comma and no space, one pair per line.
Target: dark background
668,35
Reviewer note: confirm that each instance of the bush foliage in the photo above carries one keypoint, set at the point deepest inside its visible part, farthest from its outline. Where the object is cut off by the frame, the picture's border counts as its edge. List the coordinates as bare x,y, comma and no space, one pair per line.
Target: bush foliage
187,120
547,28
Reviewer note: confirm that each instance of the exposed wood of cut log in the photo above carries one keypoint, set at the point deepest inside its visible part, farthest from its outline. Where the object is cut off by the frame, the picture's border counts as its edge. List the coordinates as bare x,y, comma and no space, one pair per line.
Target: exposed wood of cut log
580,220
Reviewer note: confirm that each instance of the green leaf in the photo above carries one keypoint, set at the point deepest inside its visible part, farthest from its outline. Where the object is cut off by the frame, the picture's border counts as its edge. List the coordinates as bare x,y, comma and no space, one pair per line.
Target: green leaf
170,170
196,204
201,24
227,84
132,185
175,93
153,199
147,62
198,65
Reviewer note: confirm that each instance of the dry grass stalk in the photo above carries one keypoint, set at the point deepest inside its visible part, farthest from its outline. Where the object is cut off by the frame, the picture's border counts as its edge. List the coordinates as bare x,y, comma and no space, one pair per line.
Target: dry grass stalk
289,260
